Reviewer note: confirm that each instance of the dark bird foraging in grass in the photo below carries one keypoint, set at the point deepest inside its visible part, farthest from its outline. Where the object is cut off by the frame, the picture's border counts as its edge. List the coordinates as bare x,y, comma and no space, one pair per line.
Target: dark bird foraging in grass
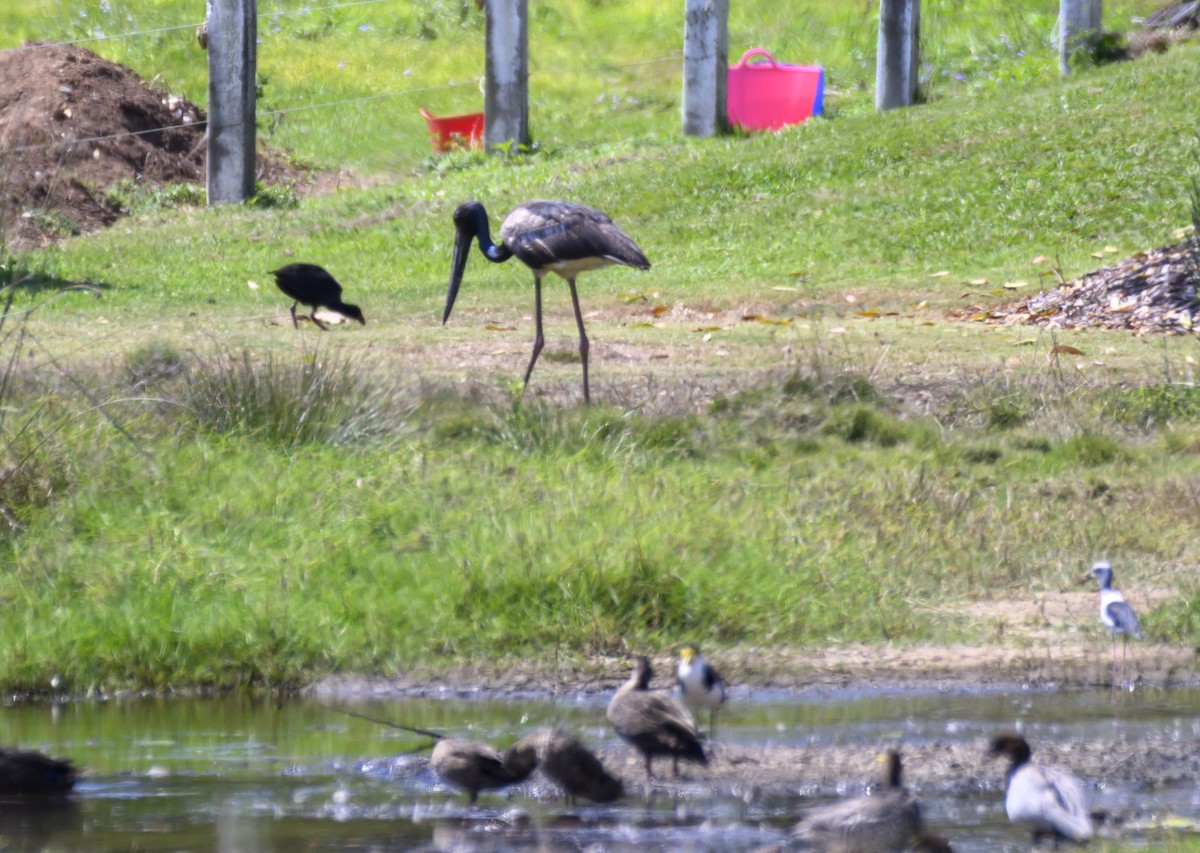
565,762
28,773
311,285
877,823
1118,617
654,723
1049,802
548,237
472,766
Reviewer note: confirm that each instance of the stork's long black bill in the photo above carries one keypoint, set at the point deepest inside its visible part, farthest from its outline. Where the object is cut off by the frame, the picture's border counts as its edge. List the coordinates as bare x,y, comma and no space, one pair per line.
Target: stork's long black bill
462,248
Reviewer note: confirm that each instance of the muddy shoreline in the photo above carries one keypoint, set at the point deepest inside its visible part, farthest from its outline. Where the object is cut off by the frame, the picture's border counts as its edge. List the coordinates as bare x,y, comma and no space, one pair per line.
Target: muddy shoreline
771,769
860,668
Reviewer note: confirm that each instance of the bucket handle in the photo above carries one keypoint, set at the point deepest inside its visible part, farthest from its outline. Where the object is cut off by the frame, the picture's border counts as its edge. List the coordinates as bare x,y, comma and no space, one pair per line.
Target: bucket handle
753,52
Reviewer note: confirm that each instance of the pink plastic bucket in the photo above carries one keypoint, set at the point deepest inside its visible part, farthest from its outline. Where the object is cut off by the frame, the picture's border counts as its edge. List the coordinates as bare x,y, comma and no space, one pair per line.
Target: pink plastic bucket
446,132
769,95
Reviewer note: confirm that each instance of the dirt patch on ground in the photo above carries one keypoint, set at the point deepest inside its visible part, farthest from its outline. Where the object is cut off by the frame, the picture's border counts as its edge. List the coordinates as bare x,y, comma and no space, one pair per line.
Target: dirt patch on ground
72,125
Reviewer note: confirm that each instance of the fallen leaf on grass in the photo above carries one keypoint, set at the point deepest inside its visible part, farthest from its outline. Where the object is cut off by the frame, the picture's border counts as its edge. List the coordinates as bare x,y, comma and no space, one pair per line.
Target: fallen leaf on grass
787,289
1039,259
1013,285
977,282
868,314
1024,342
1063,349
1110,250
660,355
492,327
982,315
939,274
707,329
771,321
659,310
253,285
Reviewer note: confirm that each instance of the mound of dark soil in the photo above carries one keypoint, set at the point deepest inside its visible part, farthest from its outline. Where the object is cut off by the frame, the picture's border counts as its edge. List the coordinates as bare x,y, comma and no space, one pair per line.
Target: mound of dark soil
66,119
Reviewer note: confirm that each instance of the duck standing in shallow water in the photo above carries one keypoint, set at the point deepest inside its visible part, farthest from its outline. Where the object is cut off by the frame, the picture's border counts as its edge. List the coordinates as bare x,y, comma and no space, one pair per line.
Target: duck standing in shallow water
654,723
1050,802
565,762
472,766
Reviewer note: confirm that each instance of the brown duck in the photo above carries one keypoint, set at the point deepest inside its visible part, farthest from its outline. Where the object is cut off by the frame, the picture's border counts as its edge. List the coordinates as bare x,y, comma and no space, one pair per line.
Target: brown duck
472,766
654,723
887,821
565,762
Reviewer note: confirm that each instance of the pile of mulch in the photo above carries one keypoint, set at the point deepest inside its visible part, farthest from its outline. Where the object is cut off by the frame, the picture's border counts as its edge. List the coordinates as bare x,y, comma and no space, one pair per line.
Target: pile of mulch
52,182
1153,291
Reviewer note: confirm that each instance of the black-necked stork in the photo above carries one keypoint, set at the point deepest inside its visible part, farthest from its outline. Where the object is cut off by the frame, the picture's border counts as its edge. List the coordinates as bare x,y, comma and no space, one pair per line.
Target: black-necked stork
546,236
1049,802
1116,614
701,685
654,723
311,285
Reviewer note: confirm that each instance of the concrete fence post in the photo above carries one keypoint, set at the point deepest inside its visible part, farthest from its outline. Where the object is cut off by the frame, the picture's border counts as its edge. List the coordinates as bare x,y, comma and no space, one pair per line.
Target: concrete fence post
1078,27
705,66
232,65
898,63
506,86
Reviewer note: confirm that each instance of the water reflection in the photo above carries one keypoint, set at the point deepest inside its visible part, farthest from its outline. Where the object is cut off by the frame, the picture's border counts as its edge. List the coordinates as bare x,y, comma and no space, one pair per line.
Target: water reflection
239,774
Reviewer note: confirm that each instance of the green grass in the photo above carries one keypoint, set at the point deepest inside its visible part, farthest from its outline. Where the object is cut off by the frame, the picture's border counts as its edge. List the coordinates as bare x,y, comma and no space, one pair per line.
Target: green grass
197,494
785,518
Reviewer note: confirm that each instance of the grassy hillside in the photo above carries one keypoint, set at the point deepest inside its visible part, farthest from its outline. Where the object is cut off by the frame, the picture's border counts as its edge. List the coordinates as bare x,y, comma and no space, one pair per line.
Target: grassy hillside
795,444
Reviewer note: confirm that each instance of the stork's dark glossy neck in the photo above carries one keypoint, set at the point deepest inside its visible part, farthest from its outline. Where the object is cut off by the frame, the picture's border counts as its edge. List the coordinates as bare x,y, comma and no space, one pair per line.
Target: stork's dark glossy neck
471,219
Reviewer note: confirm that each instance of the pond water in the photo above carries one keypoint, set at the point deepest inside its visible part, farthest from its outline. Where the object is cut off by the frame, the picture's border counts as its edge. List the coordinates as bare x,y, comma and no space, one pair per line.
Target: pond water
242,774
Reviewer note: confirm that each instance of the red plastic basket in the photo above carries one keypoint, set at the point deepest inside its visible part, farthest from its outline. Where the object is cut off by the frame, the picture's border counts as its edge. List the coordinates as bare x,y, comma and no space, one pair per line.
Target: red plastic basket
770,95
447,132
